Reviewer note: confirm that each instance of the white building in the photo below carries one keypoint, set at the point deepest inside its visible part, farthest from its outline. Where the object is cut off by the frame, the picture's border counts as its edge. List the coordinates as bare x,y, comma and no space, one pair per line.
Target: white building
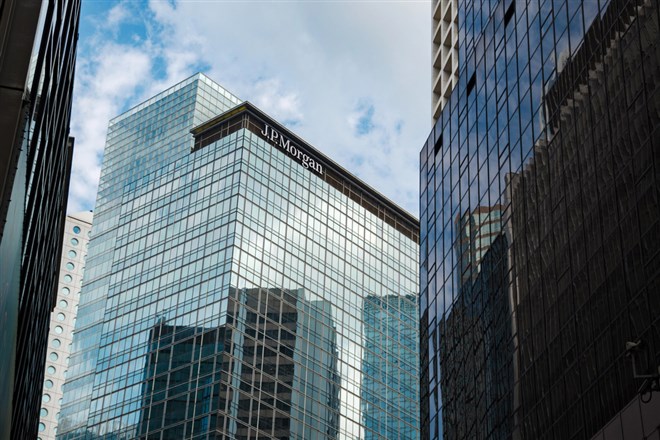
445,52
77,231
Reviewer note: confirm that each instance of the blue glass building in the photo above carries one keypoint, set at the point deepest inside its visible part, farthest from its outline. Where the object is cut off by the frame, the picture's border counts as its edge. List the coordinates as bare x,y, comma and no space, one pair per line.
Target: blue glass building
540,225
226,281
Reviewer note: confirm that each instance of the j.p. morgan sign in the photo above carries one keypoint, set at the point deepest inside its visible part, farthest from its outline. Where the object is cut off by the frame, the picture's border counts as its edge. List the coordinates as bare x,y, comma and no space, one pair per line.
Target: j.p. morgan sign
276,138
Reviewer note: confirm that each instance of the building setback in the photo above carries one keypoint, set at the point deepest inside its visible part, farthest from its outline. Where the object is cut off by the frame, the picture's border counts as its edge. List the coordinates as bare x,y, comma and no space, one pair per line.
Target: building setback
37,59
228,282
542,330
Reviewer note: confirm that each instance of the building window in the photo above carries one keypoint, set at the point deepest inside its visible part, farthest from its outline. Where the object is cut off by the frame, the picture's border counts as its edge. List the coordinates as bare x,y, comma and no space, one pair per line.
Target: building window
76,230
70,266
74,241
72,254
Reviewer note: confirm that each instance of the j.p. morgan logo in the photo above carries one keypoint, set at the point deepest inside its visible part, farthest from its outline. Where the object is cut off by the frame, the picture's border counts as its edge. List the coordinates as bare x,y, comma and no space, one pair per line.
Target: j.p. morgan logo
277,139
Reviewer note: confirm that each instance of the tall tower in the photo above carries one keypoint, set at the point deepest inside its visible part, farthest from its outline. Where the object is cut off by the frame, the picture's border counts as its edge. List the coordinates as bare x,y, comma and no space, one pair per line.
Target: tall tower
542,322
77,230
227,276
37,59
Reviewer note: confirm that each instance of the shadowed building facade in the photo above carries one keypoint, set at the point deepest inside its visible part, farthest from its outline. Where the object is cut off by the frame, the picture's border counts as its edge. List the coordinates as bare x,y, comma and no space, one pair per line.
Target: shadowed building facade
37,58
226,281
554,122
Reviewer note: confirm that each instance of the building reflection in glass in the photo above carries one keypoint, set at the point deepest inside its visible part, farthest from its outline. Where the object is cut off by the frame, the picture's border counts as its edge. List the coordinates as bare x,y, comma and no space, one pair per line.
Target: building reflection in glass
274,362
389,337
554,121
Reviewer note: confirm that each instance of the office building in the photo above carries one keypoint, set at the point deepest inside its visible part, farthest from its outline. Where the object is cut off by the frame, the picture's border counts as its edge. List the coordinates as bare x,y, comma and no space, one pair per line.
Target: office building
37,59
551,327
444,52
227,281
77,230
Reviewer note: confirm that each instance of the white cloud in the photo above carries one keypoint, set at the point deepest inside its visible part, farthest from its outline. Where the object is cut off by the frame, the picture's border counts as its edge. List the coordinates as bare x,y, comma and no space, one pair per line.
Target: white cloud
307,64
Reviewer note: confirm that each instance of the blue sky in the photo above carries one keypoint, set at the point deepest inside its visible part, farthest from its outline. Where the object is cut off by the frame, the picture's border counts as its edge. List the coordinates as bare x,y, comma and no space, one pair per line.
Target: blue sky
350,77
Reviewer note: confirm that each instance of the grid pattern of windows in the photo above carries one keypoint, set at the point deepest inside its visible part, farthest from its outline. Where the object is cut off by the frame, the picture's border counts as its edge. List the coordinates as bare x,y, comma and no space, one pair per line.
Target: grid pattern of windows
152,136
553,126
227,298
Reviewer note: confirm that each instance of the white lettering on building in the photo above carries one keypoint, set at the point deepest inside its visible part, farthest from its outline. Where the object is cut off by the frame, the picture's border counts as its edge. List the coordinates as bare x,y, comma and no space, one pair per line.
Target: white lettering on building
279,140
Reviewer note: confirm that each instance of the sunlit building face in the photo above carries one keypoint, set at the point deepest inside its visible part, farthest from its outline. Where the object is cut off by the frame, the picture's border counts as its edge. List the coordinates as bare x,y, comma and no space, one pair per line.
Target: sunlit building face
235,284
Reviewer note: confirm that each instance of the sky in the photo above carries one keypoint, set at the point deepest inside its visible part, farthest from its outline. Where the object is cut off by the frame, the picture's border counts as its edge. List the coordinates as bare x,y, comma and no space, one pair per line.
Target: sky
352,78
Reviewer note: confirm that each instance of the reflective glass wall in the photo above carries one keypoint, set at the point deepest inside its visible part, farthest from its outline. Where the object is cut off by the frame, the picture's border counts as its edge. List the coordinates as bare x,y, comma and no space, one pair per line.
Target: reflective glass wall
232,289
540,222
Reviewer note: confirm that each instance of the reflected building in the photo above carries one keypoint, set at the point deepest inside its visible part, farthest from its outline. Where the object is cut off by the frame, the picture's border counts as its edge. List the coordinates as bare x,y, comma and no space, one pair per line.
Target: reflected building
274,360
226,282
388,338
554,120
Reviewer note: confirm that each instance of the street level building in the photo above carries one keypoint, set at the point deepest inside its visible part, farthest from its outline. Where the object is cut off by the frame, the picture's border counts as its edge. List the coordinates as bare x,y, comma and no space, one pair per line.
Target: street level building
231,282
37,59
546,324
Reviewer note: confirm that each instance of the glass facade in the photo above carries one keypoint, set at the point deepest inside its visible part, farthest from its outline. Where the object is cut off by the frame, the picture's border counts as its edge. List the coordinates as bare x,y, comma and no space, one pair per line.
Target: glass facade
540,224
227,284
37,63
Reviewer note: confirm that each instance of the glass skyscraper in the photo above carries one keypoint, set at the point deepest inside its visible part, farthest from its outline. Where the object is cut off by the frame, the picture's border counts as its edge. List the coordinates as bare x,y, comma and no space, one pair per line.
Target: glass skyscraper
540,226
38,42
228,278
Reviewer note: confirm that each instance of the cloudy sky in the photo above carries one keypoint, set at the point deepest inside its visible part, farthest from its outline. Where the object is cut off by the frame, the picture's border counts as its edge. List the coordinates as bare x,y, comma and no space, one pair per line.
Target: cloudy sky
350,77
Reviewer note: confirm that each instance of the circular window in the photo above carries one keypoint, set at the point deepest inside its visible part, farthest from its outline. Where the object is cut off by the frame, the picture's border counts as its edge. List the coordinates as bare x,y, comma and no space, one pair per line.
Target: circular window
89,233
43,412
68,278
53,356
58,329
55,343
46,398
72,254
42,427
48,383
65,290
76,229
61,316
70,265
51,369
74,241
63,304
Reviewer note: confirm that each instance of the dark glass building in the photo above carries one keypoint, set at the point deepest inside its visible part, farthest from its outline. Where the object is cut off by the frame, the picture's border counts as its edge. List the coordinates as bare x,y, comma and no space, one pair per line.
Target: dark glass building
540,226
37,60
231,283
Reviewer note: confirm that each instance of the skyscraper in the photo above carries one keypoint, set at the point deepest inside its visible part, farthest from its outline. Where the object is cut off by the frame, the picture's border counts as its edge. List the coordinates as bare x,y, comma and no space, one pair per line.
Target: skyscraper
37,59
550,328
227,279
63,318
